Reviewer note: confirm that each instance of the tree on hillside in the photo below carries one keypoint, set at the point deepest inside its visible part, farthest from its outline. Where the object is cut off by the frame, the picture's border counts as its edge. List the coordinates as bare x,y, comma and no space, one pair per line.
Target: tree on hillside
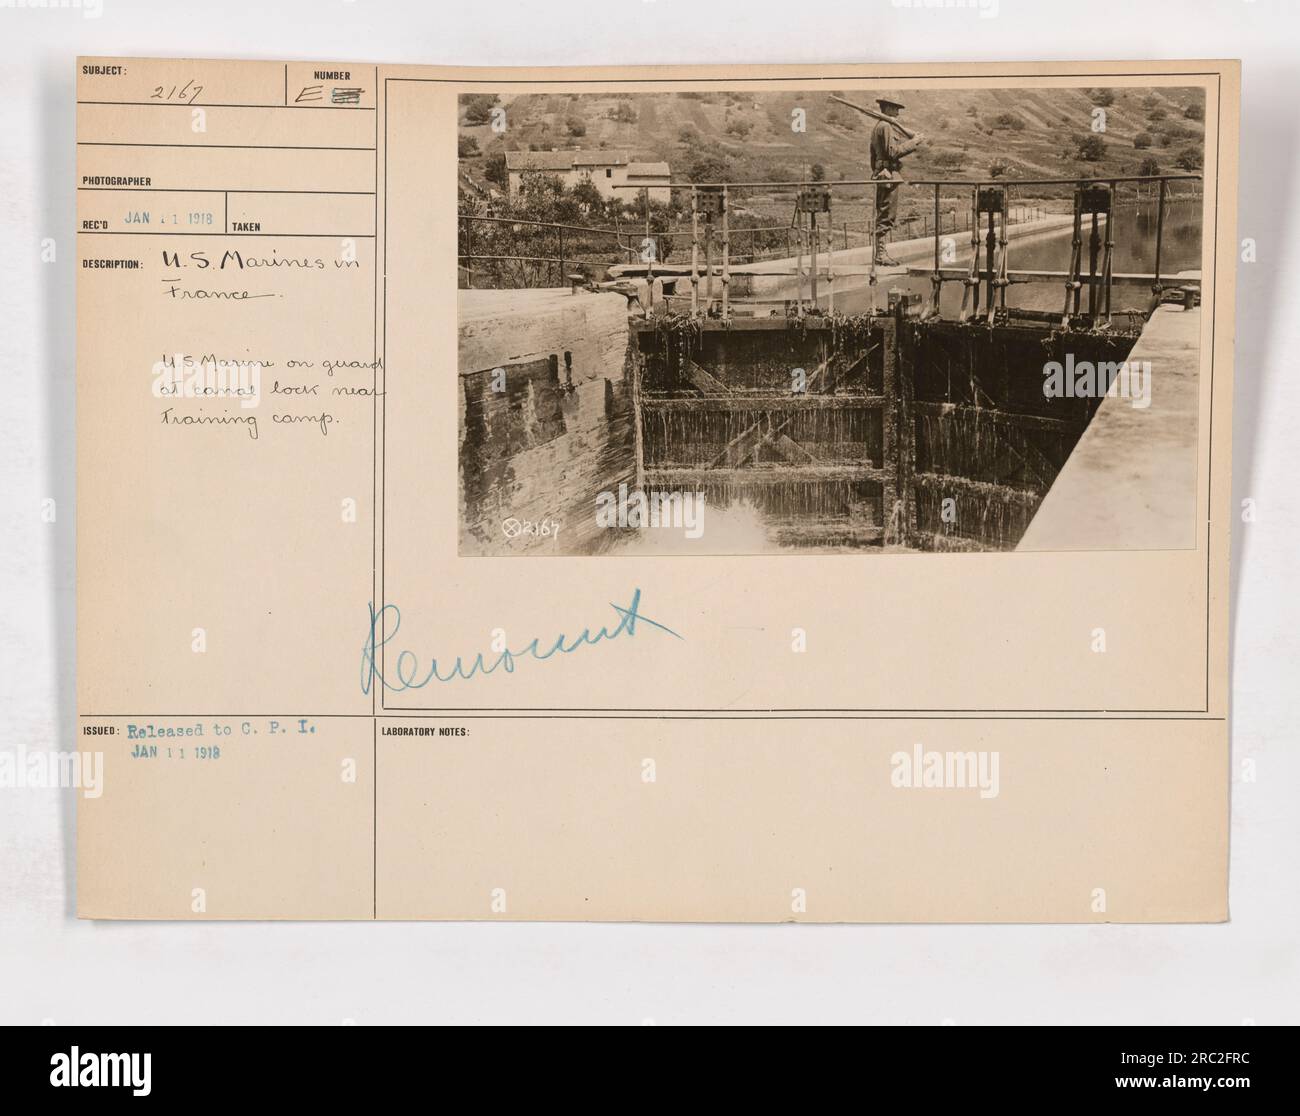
1142,140
466,147
494,170
1103,97
1194,111
1190,159
478,107
576,126
1091,148
543,197
589,200
709,168
818,172
1149,166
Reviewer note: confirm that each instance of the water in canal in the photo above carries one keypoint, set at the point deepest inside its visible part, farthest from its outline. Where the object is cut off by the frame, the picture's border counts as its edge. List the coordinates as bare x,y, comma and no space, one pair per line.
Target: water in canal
1135,251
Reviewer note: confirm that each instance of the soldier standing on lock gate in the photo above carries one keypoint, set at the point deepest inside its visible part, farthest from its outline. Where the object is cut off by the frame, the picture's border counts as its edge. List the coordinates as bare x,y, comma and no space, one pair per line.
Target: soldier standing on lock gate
890,143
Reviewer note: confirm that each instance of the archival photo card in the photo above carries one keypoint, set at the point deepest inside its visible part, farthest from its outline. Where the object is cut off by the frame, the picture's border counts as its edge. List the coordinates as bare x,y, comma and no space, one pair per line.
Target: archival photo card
671,493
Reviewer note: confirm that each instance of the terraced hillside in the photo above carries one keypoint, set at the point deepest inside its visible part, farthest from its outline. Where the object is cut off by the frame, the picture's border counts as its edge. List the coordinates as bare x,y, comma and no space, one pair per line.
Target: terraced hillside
1033,133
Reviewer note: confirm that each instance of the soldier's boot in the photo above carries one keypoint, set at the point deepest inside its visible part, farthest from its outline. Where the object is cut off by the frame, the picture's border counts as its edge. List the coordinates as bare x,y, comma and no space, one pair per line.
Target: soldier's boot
884,259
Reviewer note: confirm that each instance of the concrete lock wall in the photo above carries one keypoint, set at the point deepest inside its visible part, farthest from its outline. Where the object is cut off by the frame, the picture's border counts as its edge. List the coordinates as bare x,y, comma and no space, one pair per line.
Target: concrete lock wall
1130,483
542,438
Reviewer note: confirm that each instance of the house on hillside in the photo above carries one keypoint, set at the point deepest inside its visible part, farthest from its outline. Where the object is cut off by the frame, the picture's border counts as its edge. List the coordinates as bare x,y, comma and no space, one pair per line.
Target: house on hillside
604,169
654,176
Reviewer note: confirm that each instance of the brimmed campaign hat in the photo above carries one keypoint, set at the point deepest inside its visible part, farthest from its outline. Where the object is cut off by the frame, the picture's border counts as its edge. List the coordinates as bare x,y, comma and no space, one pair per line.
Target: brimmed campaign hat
887,102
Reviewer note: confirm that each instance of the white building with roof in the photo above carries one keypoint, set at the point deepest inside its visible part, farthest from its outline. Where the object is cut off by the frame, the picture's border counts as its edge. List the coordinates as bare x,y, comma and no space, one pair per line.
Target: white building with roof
604,169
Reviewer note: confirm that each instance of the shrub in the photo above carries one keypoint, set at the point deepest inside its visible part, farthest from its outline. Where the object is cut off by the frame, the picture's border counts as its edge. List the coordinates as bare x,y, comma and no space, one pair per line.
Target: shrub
1091,148
494,170
709,168
1142,140
589,199
478,107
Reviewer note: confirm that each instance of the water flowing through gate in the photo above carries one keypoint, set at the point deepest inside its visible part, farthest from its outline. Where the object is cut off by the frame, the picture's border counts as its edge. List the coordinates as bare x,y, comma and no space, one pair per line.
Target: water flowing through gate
922,425
875,430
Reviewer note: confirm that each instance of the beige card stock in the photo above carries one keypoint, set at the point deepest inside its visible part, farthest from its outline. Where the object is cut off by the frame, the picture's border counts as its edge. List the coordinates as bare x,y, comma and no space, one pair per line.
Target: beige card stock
556,494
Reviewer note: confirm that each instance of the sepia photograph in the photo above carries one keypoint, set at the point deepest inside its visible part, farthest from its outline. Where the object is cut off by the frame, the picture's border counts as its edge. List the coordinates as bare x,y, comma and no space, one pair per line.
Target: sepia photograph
829,320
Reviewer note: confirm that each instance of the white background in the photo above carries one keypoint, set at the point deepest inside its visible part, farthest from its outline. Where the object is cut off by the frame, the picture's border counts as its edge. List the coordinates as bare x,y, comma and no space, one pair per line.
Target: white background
55,968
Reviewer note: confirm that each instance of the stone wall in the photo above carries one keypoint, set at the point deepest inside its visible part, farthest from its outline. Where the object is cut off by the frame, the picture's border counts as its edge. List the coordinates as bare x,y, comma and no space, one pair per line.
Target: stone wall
540,438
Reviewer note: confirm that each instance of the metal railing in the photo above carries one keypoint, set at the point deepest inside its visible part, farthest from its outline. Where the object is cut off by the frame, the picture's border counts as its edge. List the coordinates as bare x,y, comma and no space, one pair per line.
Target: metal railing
555,252
550,249
856,234
991,198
